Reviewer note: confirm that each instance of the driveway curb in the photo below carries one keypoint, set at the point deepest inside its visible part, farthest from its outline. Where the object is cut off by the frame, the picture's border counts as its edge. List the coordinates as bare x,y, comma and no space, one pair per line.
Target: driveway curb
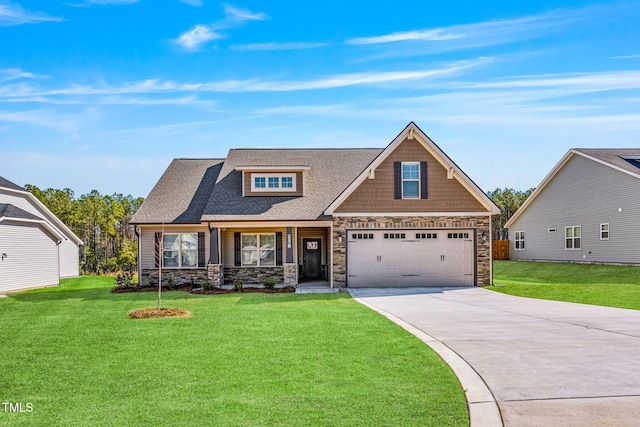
483,409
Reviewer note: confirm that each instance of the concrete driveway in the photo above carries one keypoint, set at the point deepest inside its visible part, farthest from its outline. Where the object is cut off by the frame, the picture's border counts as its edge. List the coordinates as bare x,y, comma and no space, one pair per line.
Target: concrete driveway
546,363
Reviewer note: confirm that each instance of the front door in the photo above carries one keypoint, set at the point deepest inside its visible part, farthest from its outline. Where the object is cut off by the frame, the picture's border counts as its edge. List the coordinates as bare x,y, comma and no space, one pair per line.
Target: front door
312,258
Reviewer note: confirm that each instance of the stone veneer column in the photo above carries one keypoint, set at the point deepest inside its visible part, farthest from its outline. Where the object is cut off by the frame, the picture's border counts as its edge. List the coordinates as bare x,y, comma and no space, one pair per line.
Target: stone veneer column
214,274
290,275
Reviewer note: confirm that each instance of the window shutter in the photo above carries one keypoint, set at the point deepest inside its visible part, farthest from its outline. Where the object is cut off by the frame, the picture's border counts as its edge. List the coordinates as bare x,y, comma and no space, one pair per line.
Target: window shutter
157,252
278,247
237,250
201,255
424,194
397,180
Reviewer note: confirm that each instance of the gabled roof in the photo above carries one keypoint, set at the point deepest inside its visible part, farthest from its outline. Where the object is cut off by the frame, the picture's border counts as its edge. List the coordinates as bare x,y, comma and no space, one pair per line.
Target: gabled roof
330,172
610,157
52,222
11,213
5,183
413,131
181,194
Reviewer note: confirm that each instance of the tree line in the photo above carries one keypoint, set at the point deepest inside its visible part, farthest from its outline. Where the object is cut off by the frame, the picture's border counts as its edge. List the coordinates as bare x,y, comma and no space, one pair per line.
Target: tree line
101,221
509,201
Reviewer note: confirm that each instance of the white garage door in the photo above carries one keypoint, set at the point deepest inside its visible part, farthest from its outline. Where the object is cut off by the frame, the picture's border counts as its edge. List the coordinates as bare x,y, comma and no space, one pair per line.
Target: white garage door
396,258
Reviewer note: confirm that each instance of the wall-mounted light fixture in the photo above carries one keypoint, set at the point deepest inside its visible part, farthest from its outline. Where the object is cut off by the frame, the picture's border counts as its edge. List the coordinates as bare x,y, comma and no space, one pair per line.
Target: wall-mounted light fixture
4,255
484,235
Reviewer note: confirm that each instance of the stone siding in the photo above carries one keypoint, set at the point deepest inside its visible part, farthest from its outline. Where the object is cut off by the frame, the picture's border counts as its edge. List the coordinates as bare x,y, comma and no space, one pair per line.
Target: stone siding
253,275
215,275
178,276
480,223
290,275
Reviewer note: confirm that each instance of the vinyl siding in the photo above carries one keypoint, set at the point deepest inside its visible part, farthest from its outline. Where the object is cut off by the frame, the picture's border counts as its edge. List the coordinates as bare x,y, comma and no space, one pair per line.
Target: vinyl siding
32,258
377,195
227,251
584,193
69,259
147,243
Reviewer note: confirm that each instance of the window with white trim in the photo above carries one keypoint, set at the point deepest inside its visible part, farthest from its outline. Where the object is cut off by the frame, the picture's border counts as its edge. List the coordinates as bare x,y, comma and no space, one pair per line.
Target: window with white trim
258,249
411,180
273,182
180,250
572,237
518,240
604,231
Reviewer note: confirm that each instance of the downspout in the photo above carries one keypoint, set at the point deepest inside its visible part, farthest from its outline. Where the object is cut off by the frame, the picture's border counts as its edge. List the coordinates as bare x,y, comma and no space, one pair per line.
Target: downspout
135,231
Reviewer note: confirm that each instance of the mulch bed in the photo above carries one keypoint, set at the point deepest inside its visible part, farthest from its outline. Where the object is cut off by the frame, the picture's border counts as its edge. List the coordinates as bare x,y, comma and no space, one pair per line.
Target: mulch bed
154,313
188,288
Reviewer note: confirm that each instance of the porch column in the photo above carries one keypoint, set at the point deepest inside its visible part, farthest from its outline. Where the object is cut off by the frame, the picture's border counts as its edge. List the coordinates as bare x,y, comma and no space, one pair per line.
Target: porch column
289,261
214,269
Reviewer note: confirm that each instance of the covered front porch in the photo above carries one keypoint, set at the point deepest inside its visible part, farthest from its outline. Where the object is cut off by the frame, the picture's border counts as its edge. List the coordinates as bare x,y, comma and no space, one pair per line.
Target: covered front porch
293,254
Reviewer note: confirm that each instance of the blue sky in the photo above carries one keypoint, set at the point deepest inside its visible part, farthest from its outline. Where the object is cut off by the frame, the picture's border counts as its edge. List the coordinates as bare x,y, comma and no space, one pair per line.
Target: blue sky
102,94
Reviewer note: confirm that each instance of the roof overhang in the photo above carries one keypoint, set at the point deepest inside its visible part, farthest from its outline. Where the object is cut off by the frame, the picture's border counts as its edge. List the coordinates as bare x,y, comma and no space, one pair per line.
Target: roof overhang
54,233
412,131
59,225
266,168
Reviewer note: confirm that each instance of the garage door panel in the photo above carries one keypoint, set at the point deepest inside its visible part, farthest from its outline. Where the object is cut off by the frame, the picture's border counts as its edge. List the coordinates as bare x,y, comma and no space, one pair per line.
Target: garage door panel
445,258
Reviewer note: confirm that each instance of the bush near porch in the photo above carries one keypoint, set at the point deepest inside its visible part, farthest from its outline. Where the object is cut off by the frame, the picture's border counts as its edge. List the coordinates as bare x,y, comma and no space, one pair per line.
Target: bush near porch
240,360
607,285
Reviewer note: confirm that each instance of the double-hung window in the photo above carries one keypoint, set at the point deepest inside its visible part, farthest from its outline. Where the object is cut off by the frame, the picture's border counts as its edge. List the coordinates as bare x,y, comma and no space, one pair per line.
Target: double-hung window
411,180
604,231
518,244
180,250
572,237
258,250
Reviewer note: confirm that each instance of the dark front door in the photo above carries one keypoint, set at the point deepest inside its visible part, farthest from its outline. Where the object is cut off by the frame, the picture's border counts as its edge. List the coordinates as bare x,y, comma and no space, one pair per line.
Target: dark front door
312,258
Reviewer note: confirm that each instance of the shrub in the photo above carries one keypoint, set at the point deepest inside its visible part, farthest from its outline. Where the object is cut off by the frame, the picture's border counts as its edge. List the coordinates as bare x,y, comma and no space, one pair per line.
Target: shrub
170,282
207,285
151,281
237,285
269,283
124,280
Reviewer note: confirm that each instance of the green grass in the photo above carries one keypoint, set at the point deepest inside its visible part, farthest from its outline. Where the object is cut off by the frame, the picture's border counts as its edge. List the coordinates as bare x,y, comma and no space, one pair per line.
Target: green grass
608,285
240,360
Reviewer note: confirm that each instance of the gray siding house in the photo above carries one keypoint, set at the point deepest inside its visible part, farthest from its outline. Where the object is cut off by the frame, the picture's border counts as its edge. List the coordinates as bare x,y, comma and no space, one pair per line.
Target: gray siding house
405,215
36,248
586,210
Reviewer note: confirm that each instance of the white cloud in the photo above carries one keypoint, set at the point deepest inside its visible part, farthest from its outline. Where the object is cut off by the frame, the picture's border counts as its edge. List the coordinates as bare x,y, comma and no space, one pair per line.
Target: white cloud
16,74
626,57
14,14
426,35
199,35
196,37
104,2
192,2
276,46
233,14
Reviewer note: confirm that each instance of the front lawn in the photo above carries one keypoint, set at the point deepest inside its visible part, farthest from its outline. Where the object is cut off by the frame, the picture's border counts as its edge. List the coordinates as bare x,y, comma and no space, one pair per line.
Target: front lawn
240,360
608,285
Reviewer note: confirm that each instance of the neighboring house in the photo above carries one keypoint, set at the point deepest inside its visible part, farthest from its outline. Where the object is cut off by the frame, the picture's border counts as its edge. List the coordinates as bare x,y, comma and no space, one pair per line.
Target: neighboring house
36,248
402,216
586,210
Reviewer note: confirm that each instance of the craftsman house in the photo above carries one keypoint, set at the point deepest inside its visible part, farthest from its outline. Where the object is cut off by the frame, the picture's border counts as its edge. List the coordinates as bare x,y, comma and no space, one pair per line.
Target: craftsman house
405,215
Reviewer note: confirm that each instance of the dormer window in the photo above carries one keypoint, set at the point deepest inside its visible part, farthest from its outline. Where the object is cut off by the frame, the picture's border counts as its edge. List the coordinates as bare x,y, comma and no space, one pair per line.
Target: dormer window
273,182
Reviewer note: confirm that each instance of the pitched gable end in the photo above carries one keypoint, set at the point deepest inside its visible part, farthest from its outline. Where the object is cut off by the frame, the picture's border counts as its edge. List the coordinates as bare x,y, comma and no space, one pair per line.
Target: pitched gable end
412,174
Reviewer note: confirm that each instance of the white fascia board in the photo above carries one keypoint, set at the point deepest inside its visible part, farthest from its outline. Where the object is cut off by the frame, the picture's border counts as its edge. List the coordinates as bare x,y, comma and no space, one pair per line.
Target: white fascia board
424,214
42,223
586,156
413,131
269,224
293,168
540,187
59,224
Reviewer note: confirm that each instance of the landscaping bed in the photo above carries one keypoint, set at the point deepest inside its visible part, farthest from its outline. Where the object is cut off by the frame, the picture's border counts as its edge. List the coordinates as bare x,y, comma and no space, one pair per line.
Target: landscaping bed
216,291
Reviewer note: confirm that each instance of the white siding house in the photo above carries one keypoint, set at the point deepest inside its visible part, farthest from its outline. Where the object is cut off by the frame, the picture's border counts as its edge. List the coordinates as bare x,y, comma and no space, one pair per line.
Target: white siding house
36,248
586,210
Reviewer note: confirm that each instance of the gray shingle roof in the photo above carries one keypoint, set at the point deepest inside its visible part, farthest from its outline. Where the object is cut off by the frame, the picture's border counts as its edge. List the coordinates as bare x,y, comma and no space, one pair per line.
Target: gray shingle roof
332,170
181,194
613,156
11,211
8,184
